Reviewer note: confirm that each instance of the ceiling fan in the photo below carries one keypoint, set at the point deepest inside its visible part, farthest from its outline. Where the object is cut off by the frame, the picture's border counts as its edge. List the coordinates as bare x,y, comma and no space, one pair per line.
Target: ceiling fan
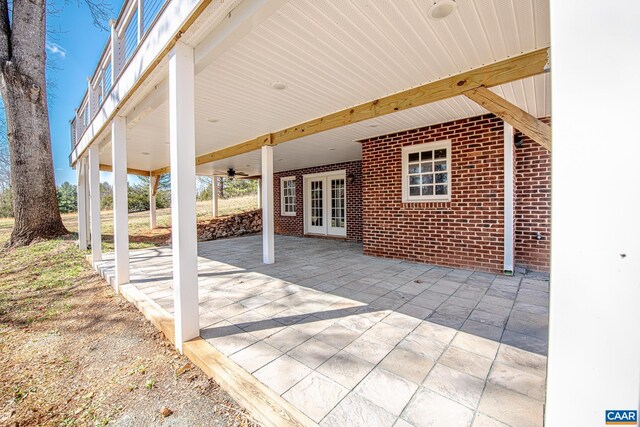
231,173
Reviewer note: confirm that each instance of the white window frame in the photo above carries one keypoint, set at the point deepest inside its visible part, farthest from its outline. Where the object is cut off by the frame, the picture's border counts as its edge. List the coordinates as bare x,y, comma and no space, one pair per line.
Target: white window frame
409,149
283,212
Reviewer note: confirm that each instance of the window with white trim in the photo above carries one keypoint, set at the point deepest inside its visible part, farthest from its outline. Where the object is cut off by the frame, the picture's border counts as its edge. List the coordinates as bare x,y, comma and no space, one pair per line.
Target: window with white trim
426,172
288,196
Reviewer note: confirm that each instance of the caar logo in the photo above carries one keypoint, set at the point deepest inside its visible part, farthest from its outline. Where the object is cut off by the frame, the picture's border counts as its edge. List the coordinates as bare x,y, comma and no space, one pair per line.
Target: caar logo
617,417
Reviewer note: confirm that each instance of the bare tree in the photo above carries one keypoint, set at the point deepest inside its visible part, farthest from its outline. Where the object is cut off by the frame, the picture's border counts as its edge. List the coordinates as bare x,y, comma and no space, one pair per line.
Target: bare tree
23,33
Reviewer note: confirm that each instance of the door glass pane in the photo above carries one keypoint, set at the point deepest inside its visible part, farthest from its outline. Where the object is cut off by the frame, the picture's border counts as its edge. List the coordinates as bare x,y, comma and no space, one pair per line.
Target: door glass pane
337,203
316,204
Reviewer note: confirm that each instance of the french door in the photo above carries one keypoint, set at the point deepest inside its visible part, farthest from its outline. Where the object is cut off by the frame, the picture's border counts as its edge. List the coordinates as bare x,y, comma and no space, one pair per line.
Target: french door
325,204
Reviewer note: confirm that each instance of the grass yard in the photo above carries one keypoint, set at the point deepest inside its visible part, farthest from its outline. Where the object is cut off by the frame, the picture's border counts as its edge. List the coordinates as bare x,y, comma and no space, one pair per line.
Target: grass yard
72,353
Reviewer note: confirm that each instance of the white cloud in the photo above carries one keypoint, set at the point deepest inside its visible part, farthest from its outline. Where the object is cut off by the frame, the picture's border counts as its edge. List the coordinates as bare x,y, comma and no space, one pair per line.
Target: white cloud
56,49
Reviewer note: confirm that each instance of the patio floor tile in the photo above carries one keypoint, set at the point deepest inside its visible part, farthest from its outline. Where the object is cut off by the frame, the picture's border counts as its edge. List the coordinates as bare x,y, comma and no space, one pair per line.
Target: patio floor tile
313,352
356,411
439,408
521,410
282,374
315,395
255,356
346,369
386,390
408,365
458,386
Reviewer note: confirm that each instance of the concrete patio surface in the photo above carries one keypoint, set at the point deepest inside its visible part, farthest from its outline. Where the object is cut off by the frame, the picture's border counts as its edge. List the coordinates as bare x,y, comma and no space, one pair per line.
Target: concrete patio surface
350,339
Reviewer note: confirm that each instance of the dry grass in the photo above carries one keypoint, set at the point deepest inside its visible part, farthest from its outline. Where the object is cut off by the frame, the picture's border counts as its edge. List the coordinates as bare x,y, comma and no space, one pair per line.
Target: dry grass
140,235
73,353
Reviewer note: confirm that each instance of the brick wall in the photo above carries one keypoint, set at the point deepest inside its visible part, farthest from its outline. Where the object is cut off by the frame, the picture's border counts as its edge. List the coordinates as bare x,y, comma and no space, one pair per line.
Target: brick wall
532,206
294,225
464,232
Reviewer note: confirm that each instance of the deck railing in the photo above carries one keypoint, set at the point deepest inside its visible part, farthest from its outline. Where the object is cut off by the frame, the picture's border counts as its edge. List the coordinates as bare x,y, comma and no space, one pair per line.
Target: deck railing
135,20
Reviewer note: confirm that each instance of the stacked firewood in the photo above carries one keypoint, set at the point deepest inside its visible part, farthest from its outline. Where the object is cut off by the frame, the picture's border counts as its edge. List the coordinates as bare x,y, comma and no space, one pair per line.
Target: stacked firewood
231,226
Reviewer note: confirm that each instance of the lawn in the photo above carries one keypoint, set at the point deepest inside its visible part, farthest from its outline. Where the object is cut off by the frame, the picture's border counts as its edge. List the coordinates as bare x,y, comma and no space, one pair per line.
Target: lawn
140,235
73,353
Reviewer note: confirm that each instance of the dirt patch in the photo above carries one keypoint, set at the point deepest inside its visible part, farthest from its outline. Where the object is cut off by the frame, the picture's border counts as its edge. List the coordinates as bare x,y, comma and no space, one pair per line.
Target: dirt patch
73,353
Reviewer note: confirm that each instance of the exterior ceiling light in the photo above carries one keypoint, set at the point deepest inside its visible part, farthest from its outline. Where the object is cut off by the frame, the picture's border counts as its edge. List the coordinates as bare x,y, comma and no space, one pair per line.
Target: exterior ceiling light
213,120
278,85
332,149
442,8
373,125
144,153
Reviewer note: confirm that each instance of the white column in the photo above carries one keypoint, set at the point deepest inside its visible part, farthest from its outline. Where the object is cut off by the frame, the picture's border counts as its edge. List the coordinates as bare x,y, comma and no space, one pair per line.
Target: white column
508,198
214,196
594,343
120,200
268,252
183,193
81,172
152,202
94,202
259,193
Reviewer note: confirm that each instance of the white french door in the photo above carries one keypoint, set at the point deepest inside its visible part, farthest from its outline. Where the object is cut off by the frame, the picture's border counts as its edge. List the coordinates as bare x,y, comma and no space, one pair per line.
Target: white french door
325,199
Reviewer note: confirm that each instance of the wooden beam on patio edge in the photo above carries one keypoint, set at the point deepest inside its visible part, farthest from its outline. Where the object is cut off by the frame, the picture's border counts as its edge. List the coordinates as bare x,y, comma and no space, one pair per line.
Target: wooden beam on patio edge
535,129
130,171
512,69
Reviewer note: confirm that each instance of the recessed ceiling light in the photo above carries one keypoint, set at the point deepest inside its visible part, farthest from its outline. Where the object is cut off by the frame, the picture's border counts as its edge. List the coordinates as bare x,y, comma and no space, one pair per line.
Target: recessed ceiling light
332,149
144,153
373,125
213,120
279,160
442,8
278,85
166,142
248,166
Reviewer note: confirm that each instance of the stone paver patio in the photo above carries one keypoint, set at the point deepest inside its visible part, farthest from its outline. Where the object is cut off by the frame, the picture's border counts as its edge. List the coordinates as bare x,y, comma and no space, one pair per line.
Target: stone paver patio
356,340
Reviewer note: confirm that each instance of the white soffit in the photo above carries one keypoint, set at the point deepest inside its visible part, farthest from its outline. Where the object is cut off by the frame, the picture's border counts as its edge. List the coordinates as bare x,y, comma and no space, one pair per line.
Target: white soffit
332,55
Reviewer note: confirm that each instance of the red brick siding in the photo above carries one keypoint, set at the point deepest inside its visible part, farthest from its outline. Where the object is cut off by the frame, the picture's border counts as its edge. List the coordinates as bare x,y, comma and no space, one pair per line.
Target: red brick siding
532,212
467,231
294,225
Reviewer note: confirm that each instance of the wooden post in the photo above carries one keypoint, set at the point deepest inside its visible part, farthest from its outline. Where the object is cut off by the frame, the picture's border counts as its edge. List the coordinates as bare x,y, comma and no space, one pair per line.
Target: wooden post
508,198
152,201
120,200
594,344
183,193
81,172
94,202
214,195
268,251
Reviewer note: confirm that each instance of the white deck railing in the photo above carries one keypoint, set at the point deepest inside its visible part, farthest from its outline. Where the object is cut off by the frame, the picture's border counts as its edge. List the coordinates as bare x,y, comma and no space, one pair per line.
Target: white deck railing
136,19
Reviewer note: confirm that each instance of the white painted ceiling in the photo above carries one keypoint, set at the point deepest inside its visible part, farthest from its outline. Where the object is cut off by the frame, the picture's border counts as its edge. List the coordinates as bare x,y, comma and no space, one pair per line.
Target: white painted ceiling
333,55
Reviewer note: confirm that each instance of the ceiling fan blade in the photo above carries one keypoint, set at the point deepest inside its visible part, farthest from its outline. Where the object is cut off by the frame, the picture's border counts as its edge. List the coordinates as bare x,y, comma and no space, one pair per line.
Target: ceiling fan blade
242,174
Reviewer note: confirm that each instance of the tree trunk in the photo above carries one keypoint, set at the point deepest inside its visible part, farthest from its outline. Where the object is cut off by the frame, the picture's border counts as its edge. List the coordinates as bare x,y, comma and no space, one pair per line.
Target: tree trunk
23,88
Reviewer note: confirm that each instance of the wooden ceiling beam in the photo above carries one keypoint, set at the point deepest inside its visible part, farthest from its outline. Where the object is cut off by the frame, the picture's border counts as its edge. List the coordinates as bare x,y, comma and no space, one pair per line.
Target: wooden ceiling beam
532,127
130,171
512,69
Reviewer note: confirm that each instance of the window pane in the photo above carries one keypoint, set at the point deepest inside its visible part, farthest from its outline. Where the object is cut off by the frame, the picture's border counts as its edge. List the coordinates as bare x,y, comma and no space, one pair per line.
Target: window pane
414,191
441,154
441,178
427,167
414,157
441,166
427,155
427,190
441,190
427,179
414,180
414,168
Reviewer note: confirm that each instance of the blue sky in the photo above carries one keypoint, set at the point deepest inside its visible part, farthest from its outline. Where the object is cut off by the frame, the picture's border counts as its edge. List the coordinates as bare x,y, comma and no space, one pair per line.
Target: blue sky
76,47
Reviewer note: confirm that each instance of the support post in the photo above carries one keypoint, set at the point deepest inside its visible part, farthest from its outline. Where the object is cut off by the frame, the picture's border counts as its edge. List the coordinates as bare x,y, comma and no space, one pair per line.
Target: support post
268,251
594,344
508,199
83,231
259,193
183,193
152,201
214,195
120,200
94,202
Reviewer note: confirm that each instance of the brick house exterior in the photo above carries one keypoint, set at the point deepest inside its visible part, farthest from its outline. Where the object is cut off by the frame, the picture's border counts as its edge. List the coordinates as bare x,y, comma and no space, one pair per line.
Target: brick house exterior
468,230
294,225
